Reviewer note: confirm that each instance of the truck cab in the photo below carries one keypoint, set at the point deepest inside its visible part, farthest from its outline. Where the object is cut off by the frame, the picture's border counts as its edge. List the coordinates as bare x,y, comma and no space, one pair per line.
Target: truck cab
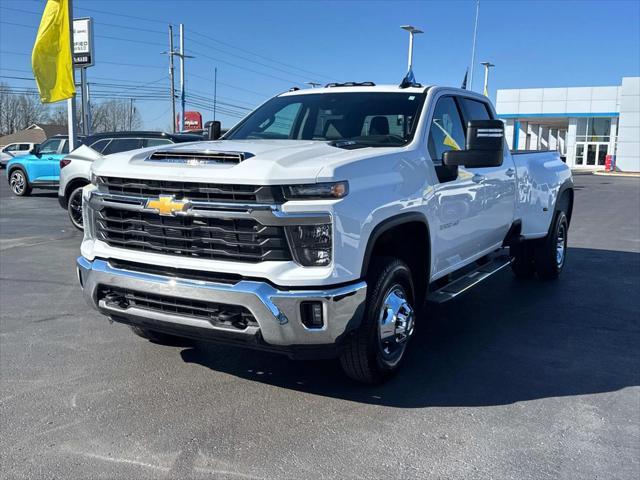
324,224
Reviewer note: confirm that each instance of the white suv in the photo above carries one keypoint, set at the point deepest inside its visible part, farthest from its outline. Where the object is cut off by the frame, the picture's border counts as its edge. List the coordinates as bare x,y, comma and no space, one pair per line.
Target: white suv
13,150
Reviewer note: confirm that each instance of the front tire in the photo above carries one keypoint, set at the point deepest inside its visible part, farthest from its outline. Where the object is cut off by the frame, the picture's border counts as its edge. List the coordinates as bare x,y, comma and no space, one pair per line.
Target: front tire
74,208
375,351
19,183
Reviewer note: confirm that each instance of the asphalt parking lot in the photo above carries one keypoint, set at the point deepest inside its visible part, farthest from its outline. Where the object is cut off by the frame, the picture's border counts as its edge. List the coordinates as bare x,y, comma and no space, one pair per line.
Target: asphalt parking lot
521,380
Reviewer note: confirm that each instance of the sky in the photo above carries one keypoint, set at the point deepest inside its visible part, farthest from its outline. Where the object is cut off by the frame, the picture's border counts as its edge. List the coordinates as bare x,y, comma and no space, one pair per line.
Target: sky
261,48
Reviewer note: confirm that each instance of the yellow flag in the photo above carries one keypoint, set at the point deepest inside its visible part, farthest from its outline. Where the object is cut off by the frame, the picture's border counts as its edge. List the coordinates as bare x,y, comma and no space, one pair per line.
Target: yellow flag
449,141
51,57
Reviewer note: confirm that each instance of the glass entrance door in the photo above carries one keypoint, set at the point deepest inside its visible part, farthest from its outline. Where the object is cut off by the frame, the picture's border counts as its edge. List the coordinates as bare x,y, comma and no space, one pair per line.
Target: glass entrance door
591,155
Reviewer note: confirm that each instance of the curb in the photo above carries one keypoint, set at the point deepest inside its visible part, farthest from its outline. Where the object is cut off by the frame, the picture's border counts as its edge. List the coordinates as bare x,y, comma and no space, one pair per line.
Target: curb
617,174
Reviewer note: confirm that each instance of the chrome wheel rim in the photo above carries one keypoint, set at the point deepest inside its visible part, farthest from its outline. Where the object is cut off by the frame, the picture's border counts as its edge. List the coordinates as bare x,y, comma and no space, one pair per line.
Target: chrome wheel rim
16,182
75,208
561,244
395,325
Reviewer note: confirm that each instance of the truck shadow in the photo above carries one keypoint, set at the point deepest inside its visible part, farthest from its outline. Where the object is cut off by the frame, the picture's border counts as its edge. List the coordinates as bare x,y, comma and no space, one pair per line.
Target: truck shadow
503,342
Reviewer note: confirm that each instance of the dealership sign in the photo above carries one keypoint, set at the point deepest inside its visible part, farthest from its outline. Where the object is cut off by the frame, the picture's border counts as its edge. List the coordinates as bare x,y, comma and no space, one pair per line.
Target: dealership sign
192,121
83,42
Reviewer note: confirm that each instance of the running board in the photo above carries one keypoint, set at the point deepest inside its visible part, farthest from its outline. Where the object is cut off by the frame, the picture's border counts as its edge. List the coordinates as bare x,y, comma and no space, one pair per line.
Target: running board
453,289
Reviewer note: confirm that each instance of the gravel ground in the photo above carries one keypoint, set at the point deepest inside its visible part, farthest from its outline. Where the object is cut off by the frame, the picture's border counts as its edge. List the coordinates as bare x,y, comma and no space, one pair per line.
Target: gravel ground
514,380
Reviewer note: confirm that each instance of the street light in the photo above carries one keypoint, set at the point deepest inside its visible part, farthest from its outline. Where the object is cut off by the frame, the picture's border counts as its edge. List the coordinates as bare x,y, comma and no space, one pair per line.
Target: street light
487,66
313,84
412,31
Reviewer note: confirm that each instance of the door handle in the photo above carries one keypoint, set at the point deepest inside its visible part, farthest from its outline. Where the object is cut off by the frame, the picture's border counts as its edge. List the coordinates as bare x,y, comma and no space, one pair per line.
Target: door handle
478,178
510,172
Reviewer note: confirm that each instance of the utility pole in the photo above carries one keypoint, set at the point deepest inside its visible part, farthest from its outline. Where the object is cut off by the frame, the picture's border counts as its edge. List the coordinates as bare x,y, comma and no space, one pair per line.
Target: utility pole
84,109
71,102
412,31
215,91
473,47
487,66
130,113
172,88
182,97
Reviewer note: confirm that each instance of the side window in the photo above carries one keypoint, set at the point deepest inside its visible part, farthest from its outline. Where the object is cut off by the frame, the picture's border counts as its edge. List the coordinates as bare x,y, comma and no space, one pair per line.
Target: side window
10,148
50,146
446,132
65,146
122,145
24,147
155,142
100,144
475,110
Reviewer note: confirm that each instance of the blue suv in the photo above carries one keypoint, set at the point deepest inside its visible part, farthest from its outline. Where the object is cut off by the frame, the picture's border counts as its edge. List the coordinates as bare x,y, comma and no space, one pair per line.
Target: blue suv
39,169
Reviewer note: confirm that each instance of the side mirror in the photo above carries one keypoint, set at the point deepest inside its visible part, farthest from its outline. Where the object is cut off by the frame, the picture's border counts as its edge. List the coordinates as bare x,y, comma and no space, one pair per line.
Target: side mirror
214,130
484,147
35,150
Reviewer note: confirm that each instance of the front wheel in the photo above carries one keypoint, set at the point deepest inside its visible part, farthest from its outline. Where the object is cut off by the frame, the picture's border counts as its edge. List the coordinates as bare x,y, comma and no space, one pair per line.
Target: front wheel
19,184
74,208
375,351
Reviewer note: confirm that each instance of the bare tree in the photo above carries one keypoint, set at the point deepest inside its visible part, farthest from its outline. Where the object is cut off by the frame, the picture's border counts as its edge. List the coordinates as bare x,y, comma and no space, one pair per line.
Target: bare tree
115,116
19,110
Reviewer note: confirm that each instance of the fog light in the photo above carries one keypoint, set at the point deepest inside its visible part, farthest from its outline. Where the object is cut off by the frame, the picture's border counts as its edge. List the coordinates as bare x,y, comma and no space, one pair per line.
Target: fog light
311,314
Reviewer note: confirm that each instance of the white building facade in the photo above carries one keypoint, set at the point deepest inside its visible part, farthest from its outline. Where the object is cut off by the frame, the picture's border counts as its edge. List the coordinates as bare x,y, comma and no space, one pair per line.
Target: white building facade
585,124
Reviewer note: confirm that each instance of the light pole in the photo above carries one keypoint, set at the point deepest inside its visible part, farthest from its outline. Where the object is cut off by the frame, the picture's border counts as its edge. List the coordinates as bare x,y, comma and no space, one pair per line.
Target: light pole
412,31
487,66
473,46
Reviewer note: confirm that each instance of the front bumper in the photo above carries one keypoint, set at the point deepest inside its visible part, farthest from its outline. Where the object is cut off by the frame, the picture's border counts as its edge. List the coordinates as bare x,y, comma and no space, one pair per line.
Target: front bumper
277,312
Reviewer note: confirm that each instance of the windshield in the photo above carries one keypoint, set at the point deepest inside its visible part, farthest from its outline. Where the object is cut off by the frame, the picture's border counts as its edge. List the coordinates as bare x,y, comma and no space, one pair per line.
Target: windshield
373,119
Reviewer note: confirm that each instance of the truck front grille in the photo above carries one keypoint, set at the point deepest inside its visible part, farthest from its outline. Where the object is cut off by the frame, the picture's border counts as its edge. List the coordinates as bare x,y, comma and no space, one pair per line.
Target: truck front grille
206,192
218,314
243,240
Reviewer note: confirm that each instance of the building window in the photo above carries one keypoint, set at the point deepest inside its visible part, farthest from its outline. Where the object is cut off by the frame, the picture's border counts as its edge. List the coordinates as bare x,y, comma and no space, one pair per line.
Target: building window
593,129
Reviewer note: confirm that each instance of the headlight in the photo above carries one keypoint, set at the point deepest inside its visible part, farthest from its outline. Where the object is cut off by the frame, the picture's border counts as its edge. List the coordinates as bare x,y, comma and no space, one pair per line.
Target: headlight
316,191
310,244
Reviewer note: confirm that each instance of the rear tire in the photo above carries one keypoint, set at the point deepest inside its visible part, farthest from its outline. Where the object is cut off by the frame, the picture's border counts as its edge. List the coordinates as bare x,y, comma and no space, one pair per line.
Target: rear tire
550,252
158,337
74,208
375,350
19,183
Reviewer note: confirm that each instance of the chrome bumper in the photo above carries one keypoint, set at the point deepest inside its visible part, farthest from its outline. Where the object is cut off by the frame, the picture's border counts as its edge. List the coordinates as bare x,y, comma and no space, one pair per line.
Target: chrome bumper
277,312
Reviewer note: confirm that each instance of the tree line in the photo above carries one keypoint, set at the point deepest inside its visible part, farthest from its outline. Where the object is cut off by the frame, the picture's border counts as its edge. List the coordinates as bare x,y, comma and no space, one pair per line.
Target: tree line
20,109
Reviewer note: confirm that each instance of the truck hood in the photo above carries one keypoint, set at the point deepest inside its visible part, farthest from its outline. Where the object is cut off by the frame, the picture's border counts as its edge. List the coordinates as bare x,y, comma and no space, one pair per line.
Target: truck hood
266,162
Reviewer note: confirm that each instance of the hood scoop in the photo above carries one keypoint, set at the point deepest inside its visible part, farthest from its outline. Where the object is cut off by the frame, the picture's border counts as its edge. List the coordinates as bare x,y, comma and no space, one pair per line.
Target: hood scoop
198,157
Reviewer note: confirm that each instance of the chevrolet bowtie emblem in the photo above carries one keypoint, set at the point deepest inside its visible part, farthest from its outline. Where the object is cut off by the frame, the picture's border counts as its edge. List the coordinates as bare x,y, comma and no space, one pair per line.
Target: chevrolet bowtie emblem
167,205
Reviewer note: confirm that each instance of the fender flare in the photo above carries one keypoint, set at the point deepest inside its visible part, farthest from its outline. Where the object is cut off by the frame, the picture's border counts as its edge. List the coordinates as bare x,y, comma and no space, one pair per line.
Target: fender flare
388,224
566,185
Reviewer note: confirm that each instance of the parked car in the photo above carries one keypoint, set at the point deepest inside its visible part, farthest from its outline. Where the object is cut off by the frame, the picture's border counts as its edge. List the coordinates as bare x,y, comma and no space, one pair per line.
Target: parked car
322,223
13,150
40,168
74,168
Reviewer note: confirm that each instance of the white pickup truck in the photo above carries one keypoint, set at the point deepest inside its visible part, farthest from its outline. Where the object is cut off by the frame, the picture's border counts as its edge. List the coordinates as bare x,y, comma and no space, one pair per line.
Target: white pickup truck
323,224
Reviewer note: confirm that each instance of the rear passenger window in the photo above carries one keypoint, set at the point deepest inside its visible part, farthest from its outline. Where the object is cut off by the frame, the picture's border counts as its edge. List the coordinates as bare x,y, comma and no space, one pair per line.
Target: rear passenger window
122,145
154,142
474,110
446,132
100,144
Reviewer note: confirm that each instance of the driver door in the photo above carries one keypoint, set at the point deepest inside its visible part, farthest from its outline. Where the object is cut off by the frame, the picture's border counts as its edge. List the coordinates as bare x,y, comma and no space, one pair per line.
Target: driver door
459,202
42,167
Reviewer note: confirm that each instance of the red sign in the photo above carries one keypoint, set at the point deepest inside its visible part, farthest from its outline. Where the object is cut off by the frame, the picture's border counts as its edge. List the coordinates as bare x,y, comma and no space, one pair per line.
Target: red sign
192,121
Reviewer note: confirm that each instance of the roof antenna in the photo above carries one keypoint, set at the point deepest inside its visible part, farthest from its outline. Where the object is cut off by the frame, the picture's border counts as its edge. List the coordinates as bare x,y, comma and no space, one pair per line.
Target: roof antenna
464,82
410,80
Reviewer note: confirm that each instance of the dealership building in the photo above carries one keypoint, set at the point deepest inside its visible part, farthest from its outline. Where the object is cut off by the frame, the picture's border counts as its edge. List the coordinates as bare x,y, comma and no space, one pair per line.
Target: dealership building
585,124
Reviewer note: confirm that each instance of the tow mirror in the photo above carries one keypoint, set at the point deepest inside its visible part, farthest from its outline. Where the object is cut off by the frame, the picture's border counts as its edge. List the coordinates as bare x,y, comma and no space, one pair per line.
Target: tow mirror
484,146
214,130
